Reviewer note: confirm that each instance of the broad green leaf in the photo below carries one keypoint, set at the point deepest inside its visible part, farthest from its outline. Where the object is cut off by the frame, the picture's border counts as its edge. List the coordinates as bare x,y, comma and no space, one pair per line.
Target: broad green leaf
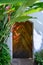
39,4
37,7
33,10
22,8
22,19
17,1
11,1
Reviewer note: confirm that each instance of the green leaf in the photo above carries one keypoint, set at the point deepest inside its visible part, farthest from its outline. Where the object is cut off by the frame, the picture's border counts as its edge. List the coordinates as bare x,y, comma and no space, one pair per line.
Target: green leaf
23,18
5,57
39,4
16,1
37,7
1,17
23,7
10,1
33,10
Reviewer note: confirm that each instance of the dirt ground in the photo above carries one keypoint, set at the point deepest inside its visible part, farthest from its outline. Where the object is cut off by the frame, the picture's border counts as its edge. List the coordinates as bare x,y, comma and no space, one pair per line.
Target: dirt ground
22,62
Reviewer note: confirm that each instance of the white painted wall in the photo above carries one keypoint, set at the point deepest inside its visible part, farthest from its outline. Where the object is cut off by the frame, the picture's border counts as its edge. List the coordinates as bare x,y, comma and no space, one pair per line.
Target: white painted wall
9,43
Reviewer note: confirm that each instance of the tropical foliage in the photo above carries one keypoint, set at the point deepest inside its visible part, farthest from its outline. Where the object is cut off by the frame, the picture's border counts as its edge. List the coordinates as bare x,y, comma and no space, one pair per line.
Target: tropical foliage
18,12
39,57
4,50
4,54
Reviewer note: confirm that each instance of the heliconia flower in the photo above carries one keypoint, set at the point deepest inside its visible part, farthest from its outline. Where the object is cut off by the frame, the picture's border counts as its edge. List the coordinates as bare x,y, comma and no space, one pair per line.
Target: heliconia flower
8,7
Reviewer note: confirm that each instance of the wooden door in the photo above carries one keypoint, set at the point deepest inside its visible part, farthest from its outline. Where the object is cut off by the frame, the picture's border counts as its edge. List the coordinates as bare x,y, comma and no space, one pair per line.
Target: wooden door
22,36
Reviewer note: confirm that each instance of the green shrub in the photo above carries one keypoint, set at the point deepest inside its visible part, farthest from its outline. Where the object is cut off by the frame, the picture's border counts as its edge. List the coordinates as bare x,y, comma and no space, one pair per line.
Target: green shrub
39,57
4,54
